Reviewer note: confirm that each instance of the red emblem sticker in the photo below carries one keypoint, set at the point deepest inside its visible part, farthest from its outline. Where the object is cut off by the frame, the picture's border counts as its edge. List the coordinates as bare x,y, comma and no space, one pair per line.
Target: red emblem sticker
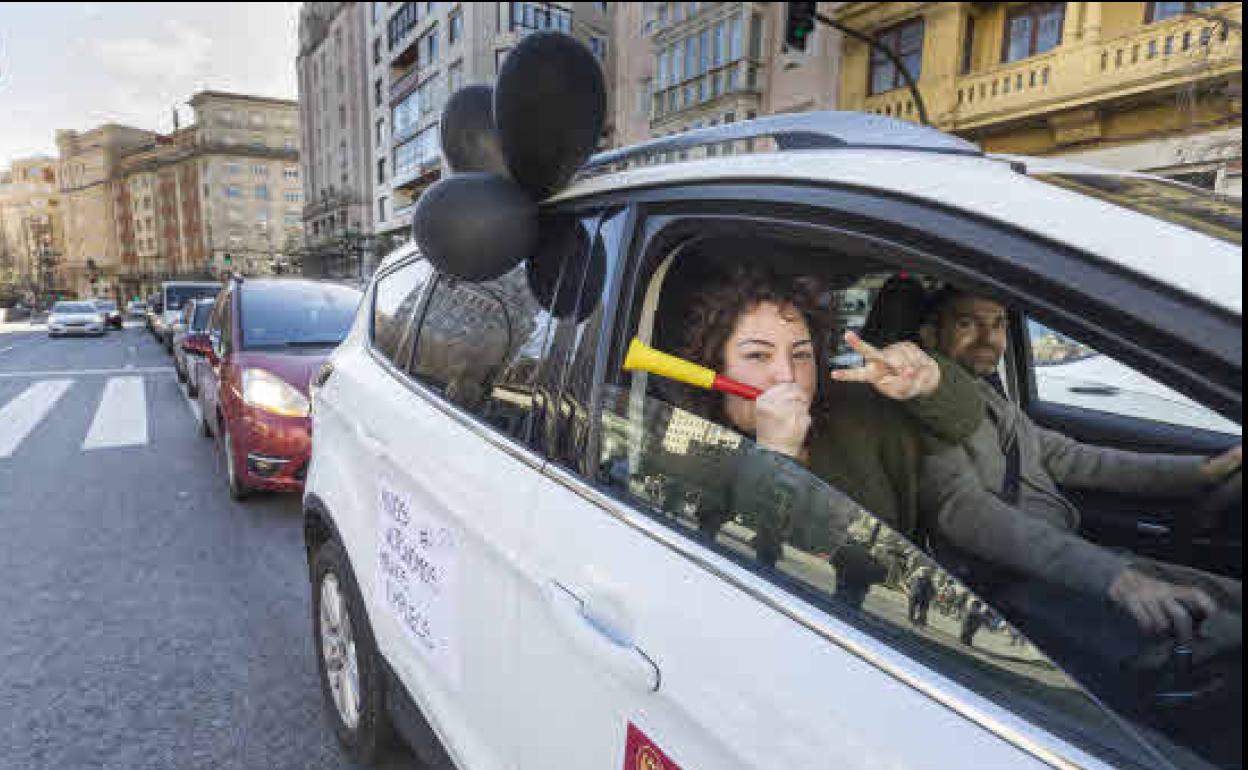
640,753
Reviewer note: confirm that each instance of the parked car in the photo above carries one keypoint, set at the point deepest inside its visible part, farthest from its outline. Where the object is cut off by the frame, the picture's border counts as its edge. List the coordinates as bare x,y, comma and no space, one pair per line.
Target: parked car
154,309
136,309
514,548
112,316
194,321
267,337
68,318
173,295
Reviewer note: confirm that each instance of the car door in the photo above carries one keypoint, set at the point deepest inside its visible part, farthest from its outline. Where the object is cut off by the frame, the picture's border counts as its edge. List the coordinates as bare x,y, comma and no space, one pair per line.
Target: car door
446,419
646,643
212,373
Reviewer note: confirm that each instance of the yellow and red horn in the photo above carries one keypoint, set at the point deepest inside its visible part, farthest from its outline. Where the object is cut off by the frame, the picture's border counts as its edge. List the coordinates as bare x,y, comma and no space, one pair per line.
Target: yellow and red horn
641,357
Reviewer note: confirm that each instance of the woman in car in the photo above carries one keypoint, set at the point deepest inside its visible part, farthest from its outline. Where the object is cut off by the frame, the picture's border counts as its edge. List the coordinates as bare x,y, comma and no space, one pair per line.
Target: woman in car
858,430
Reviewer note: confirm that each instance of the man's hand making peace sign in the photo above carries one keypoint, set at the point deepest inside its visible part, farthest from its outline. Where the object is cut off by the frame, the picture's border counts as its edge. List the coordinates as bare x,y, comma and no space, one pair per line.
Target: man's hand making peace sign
901,371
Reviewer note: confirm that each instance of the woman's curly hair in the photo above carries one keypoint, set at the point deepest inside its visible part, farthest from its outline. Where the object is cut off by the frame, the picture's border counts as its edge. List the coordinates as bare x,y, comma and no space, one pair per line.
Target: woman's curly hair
715,311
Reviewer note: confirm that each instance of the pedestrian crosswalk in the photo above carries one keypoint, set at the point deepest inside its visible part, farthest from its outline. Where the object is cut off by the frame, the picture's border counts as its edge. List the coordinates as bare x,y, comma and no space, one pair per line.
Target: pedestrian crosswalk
118,406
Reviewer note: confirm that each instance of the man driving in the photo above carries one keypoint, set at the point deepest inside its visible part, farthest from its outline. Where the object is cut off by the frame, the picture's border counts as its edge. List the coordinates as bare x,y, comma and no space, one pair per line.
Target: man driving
998,494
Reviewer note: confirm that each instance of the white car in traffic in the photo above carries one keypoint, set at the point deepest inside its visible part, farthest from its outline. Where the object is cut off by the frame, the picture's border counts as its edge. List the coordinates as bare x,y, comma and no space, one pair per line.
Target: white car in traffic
69,318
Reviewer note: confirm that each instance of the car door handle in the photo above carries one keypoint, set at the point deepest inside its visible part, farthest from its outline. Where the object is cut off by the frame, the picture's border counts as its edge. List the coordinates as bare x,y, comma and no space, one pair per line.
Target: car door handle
371,443
598,638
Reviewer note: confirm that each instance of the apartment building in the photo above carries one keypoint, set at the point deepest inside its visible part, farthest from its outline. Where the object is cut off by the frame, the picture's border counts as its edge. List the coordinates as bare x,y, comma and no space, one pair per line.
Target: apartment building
1145,86
88,167
31,226
221,194
332,68
419,54
680,66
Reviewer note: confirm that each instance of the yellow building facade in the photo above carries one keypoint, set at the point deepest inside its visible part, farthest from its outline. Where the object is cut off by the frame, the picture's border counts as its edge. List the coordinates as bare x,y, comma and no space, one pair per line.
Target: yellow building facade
1134,85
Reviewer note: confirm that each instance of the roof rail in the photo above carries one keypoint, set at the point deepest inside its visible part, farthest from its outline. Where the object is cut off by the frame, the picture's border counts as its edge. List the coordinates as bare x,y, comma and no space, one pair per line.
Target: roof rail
802,131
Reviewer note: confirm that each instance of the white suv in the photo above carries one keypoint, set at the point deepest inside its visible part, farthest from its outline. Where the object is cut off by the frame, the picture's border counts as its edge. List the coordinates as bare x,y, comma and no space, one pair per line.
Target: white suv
507,532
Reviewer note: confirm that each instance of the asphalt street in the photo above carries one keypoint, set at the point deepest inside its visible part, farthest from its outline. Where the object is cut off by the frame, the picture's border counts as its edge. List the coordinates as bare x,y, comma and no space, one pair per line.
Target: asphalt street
146,620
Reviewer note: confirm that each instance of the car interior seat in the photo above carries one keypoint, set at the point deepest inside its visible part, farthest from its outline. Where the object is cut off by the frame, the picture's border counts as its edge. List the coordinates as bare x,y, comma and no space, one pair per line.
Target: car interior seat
897,312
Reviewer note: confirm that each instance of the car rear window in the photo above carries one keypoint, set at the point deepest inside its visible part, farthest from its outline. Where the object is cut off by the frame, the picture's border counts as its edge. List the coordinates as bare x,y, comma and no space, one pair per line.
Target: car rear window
176,296
295,314
1206,212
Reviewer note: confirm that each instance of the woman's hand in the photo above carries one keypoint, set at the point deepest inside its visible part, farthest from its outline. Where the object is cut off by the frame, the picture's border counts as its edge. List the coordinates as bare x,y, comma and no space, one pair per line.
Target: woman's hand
1217,469
782,419
901,371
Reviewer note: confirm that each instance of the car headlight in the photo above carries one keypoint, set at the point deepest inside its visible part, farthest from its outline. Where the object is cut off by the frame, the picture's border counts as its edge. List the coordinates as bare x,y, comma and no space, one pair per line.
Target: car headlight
271,393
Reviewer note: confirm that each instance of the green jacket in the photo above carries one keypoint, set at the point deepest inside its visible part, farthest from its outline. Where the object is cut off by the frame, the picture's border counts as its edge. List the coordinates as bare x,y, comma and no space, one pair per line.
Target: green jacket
865,453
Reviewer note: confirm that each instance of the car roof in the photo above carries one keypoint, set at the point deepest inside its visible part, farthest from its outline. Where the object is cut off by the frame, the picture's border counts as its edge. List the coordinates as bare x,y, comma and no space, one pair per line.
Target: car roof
990,187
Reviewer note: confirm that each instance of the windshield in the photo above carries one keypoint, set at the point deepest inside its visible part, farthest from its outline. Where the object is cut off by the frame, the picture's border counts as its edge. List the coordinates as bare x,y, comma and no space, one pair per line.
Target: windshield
106,305
74,307
176,296
281,314
1219,216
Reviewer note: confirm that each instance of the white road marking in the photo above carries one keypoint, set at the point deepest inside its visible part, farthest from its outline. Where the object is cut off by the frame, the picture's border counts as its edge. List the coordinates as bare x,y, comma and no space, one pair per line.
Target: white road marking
6,350
89,372
121,418
20,416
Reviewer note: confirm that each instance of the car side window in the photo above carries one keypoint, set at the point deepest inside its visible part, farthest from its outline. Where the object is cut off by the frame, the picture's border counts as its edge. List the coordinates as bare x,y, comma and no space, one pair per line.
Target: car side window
396,300
1067,372
224,341
481,345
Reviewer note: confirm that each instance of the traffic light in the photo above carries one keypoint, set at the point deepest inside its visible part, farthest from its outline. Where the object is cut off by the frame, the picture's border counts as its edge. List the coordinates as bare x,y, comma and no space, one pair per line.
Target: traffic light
799,25
227,259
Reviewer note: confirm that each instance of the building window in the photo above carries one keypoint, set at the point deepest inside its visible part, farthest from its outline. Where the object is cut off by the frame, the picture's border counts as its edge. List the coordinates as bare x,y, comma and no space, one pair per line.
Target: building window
454,28
293,196
291,173
427,48
736,38
968,46
381,171
381,132
342,116
455,77
532,17
1161,11
381,209
424,149
233,191
402,22
291,218
499,56
1032,29
258,170
377,50
599,47
377,93
906,41
379,10
233,168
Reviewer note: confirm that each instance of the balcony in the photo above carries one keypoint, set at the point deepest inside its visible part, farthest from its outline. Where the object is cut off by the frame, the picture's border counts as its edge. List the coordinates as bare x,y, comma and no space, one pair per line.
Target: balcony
1159,56
1155,57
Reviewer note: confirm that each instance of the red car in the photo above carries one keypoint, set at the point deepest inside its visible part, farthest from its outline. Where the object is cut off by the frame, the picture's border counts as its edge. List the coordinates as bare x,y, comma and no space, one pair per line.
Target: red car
266,339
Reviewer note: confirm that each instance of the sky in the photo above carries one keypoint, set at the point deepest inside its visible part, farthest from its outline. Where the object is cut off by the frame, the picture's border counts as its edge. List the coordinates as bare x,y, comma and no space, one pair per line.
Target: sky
78,65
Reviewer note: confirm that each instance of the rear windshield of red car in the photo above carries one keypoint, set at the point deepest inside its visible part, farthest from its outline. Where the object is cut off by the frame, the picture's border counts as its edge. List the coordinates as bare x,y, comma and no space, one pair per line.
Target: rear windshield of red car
296,314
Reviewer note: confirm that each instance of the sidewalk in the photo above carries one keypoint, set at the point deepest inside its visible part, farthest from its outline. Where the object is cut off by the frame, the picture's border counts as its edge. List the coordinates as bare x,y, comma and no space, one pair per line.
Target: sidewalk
36,323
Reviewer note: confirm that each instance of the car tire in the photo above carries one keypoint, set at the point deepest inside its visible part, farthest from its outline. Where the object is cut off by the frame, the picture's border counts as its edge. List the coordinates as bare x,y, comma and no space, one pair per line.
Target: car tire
191,390
205,426
179,371
363,728
238,489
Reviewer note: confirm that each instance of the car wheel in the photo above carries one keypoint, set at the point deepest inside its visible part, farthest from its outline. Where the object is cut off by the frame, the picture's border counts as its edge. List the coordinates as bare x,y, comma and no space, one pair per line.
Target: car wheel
191,390
238,490
352,681
179,371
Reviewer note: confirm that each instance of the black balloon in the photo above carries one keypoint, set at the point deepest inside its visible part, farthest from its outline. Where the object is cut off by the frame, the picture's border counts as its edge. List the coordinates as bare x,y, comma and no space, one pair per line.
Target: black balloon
470,141
549,105
475,226
564,270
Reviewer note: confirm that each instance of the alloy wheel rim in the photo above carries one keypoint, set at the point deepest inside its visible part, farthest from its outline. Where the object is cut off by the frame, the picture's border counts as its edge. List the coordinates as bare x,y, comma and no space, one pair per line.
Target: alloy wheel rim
338,652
